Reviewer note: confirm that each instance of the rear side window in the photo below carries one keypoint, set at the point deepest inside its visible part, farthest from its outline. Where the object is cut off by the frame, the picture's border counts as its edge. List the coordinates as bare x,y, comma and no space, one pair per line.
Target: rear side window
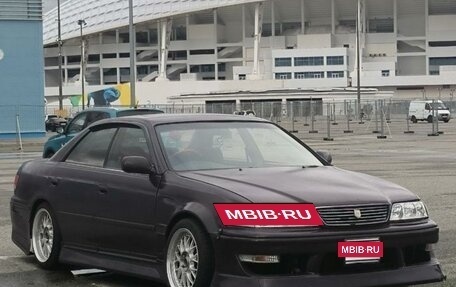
96,116
129,141
127,113
93,148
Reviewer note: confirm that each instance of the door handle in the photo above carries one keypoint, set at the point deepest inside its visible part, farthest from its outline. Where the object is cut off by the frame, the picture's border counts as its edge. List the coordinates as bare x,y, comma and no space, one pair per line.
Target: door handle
103,190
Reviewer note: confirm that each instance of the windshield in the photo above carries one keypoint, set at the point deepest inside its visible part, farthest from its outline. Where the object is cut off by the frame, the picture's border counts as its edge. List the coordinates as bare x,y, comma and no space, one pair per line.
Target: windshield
228,145
438,106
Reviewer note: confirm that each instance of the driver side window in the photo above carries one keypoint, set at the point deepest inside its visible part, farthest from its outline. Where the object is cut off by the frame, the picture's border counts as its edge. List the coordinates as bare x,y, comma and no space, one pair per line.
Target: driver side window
77,124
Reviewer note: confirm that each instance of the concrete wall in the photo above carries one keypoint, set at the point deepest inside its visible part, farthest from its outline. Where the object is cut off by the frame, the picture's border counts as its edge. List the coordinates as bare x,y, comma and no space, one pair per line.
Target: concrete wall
21,78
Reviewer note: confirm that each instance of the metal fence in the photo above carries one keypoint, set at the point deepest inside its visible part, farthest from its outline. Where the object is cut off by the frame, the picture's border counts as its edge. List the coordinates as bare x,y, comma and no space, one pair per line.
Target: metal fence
319,119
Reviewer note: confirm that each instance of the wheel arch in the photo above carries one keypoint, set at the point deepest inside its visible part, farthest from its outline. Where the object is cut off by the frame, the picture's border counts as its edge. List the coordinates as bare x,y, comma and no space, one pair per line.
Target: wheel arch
199,214
33,210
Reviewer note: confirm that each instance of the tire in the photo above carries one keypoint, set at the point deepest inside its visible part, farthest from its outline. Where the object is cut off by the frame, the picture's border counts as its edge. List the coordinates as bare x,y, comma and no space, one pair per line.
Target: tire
414,120
429,119
195,263
446,121
46,238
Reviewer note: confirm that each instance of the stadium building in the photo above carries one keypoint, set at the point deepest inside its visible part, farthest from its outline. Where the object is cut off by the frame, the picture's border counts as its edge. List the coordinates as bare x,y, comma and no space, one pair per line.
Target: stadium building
200,51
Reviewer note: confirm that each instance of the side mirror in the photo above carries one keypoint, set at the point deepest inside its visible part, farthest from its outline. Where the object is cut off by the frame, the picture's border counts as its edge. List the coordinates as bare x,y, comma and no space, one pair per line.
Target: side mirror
325,155
136,164
60,130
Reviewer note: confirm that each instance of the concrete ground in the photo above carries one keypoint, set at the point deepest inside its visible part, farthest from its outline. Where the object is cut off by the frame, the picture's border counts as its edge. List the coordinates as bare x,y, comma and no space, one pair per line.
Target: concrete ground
425,165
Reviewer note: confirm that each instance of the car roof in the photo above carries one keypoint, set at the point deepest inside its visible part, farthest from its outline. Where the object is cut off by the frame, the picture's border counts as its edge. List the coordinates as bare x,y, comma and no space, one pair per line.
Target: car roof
159,119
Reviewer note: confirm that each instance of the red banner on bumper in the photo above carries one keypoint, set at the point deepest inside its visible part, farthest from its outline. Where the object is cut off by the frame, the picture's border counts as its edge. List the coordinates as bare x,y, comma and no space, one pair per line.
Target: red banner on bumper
268,214
360,249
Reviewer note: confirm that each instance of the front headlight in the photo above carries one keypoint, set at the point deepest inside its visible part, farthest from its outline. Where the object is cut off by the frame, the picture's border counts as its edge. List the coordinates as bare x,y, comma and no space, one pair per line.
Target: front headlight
408,211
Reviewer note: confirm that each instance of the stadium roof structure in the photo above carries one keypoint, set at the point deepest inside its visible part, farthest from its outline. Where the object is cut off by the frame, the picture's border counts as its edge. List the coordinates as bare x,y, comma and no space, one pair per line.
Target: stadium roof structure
102,15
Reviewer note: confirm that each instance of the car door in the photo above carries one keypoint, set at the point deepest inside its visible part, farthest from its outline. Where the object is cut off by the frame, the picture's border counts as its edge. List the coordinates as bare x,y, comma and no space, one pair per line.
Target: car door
78,182
73,128
126,213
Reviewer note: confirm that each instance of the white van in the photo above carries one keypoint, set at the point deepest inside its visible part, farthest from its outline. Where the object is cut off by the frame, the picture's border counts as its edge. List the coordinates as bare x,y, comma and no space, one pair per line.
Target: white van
423,111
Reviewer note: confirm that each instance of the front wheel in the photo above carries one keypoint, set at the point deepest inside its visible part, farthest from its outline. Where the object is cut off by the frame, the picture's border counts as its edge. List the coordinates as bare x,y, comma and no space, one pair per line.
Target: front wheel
45,237
189,256
430,119
414,120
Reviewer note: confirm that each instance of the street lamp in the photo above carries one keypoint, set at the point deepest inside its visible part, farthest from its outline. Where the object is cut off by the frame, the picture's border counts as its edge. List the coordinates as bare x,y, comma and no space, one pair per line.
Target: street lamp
59,43
82,75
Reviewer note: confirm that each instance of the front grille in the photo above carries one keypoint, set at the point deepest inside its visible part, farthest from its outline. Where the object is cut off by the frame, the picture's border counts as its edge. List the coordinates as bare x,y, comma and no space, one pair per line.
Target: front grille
345,215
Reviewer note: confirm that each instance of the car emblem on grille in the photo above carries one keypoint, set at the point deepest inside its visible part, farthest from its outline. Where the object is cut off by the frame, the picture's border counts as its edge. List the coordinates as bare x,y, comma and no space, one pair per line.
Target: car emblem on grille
357,213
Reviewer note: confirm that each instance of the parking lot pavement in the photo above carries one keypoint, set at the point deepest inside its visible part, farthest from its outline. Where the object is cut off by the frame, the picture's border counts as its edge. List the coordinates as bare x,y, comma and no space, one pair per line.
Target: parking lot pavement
425,165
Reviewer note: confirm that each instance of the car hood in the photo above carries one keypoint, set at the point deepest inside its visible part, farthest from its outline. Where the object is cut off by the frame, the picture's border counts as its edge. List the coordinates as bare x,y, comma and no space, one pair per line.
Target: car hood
322,186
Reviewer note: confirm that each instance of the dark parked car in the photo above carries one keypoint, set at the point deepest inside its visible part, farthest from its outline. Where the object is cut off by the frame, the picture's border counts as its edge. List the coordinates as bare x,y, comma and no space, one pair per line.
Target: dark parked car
83,120
136,195
53,122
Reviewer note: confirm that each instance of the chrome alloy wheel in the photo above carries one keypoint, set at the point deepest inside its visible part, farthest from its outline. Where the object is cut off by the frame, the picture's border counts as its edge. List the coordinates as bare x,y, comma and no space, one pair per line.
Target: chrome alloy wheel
42,235
182,259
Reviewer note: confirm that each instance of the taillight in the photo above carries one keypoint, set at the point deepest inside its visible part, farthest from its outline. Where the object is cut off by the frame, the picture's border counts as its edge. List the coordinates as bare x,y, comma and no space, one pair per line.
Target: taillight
16,179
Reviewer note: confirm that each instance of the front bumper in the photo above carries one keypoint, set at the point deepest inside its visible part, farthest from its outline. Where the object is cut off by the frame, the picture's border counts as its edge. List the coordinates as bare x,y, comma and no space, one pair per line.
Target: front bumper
310,257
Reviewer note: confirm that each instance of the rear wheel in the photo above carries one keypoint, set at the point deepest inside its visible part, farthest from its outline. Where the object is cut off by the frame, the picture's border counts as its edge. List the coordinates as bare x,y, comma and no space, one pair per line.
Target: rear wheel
414,120
429,119
189,256
45,237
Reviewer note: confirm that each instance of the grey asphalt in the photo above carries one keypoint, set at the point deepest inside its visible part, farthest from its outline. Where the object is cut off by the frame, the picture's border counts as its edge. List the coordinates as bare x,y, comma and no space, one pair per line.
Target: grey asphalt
425,165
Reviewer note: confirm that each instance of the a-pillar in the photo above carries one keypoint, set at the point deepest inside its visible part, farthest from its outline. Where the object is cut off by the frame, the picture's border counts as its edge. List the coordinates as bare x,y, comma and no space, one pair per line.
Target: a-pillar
165,34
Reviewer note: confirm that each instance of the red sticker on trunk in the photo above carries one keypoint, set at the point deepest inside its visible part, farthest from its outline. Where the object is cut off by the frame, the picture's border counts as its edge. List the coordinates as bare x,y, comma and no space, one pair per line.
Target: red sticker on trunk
268,214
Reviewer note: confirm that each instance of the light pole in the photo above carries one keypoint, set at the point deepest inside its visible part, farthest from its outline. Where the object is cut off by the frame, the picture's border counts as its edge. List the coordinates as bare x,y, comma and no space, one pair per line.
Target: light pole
82,75
59,43
132,55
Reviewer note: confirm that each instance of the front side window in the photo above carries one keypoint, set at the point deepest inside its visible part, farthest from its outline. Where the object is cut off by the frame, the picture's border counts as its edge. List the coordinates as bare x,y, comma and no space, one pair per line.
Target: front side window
129,141
78,124
93,148
230,145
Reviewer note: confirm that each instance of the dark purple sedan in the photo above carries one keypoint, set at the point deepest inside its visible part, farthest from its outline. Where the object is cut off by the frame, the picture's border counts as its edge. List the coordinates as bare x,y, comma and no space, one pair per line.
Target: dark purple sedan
136,195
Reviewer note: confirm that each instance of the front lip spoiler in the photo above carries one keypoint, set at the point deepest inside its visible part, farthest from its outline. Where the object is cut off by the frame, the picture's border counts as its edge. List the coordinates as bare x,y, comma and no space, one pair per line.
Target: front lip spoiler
417,274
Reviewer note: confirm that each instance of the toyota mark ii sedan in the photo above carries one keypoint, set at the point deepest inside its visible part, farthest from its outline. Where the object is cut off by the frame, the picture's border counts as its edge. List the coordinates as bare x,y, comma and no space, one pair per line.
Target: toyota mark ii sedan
136,195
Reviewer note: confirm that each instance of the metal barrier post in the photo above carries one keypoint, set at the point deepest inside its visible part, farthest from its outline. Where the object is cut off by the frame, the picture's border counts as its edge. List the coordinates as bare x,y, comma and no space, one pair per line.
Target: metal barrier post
334,115
407,120
376,118
292,119
306,124
328,127
312,118
347,113
434,130
382,136
388,114
18,133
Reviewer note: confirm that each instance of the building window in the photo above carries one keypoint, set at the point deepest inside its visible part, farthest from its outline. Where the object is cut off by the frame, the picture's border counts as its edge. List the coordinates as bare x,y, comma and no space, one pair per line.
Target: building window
207,68
202,52
335,60
124,55
308,61
109,56
283,76
283,62
309,75
385,73
434,72
336,74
